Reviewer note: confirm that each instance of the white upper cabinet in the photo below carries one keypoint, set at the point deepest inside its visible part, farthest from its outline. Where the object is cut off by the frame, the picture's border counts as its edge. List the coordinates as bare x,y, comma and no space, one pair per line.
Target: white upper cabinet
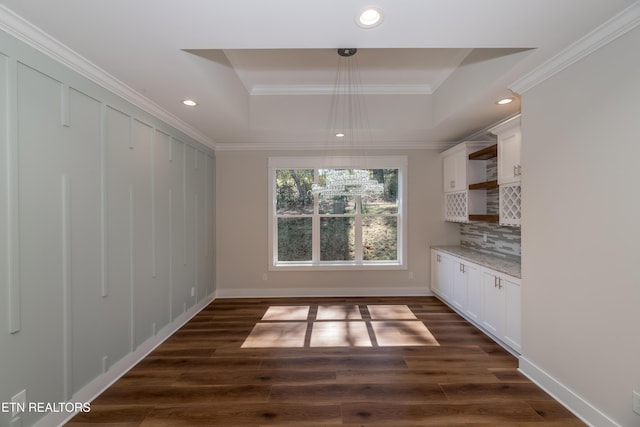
458,171
509,145
455,171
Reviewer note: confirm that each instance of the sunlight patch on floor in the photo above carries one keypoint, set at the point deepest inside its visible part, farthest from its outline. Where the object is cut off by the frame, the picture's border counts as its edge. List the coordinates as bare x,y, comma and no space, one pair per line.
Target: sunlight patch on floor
277,334
398,333
338,312
339,326
340,334
287,312
387,312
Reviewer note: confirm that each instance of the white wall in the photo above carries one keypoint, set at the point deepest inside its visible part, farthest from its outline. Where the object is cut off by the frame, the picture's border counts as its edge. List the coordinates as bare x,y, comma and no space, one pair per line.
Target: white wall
106,225
242,233
581,232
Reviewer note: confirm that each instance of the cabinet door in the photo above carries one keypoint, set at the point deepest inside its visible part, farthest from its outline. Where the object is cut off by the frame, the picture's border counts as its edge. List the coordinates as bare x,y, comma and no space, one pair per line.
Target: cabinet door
473,309
510,204
509,144
459,289
441,275
493,301
435,275
455,171
449,164
513,315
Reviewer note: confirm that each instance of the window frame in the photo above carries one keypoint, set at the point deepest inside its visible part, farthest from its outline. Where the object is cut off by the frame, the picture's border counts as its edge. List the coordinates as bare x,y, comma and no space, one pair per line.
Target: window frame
337,162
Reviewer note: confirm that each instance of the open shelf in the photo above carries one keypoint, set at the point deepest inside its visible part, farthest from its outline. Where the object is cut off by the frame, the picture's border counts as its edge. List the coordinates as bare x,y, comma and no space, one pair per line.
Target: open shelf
486,153
485,218
484,185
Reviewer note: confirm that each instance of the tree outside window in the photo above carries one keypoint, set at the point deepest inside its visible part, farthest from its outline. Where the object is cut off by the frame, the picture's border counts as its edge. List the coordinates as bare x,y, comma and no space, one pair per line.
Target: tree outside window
339,230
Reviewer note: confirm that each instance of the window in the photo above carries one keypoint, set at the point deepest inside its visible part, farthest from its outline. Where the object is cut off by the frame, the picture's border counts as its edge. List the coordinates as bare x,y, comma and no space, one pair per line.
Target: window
309,231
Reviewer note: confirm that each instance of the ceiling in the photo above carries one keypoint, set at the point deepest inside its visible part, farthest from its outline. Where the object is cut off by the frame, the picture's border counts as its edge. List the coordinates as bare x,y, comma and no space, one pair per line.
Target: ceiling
262,71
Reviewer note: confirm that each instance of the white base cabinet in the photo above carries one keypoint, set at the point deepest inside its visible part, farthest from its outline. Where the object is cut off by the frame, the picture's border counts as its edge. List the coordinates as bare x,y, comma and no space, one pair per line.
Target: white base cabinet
466,281
487,298
473,309
441,274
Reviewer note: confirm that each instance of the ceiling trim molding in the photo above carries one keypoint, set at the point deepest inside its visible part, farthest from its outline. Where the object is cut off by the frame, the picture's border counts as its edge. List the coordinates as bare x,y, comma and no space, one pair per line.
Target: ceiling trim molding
320,146
26,32
397,89
615,27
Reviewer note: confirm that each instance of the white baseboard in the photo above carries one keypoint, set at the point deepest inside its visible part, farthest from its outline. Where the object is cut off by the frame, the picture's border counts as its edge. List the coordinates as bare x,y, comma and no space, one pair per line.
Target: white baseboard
326,292
121,367
567,397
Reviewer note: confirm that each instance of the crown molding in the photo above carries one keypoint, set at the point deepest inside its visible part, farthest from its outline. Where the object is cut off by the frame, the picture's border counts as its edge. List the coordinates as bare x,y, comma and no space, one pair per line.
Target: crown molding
615,27
26,32
320,146
398,89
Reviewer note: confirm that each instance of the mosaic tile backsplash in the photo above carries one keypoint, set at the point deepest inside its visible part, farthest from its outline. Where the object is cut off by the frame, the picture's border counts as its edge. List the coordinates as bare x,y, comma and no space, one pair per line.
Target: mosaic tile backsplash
504,241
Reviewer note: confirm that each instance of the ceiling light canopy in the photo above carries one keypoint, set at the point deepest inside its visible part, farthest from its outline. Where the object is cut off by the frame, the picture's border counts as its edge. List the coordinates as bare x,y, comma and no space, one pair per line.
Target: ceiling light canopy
369,17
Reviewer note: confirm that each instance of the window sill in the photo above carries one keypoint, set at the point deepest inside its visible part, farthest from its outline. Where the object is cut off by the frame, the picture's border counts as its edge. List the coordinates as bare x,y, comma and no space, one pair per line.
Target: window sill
336,266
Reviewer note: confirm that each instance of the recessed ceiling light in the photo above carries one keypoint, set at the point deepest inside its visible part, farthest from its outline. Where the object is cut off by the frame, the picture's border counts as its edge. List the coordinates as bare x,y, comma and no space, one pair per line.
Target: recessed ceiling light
339,135
189,102
505,101
369,17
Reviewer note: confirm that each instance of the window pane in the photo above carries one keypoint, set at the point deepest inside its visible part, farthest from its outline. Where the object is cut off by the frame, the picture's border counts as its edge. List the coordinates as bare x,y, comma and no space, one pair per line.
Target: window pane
387,202
338,205
337,239
294,239
293,195
380,238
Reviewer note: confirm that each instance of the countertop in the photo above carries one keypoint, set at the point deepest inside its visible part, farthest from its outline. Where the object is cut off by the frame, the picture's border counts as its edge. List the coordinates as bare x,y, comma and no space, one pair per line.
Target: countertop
494,262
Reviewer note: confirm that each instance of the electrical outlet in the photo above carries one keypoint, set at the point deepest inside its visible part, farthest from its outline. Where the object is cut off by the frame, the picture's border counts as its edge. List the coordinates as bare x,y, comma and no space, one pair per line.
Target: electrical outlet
636,402
193,292
264,276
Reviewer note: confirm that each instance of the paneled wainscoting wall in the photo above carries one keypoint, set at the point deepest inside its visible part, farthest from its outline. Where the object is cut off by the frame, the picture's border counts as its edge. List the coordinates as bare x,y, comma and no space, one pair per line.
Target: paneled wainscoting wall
107,214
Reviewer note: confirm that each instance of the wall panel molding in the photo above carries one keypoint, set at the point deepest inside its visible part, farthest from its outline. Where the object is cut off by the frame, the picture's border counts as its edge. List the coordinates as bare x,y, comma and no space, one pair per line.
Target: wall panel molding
13,264
132,265
196,243
66,286
152,153
103,201
206,204
171,291
64,105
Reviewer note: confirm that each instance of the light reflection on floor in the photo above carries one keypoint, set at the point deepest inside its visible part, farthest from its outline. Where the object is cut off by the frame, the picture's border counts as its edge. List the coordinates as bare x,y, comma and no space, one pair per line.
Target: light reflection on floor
287,312
338,312
285,334
339,326
340,334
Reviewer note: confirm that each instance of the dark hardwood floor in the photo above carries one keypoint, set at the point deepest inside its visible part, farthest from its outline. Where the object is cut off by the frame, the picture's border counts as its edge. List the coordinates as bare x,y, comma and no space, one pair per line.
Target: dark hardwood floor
326,362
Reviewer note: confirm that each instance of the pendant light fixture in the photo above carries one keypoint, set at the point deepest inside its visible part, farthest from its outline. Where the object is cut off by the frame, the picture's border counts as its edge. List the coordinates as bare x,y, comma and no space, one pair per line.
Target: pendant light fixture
348,123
